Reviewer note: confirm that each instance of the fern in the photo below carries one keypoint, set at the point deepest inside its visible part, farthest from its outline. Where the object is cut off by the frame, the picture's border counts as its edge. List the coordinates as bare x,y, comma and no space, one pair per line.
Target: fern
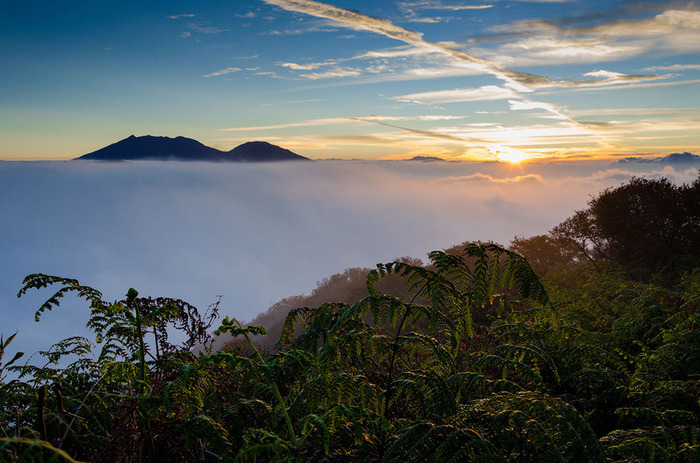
657,444
462,360
535,427
30,450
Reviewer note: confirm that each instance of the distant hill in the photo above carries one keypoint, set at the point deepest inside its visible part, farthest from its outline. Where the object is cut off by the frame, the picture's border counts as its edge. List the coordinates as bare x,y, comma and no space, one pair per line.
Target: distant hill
255,151
673,158
186,149
425,158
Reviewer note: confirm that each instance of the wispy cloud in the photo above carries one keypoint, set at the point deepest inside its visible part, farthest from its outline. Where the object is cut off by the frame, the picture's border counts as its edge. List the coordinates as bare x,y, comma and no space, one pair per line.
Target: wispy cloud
430,118
438,5
635,112
267,74
358,21
673,30
313,122
390,63
439,118
515,82
396,52
535,43
305,67
411,10
428,20
613,78
198,25
333,73
552,109
382,73
229,70
535,136
551,49
675,67
346,120
460,7
648,128
204,29
425,133
458,95
540,42
319,26
587,87
603,78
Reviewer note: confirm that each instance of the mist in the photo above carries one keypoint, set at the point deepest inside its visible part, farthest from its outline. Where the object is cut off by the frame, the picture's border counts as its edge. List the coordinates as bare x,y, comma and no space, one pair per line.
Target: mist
257,233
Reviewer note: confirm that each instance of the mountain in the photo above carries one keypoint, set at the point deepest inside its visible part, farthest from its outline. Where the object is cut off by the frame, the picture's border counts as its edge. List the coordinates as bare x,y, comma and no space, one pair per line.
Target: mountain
676,158
255,151
425,159
673,158
186,149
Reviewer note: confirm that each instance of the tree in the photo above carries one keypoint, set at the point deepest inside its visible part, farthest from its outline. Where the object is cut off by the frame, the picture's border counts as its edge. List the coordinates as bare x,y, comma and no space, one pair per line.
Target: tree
545,252
647,226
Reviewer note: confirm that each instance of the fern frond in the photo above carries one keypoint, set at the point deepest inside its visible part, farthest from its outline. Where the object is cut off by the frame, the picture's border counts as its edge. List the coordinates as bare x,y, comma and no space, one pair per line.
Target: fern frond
530,423
676,443
40,280
506,368
33,450
265,445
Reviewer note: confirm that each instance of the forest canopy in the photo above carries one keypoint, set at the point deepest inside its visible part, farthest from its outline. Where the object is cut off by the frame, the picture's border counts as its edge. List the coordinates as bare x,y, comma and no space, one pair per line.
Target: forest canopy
579,345
648,227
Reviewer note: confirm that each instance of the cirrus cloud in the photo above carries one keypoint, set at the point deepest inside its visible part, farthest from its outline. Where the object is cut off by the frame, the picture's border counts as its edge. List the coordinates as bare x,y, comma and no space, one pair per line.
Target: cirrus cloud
222,72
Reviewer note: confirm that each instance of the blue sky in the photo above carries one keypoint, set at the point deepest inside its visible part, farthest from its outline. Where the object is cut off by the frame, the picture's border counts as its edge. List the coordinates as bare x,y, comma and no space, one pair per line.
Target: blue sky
354,79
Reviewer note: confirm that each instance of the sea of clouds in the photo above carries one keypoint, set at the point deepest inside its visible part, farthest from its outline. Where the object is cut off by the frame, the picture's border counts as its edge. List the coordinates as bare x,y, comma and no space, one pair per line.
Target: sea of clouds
256,233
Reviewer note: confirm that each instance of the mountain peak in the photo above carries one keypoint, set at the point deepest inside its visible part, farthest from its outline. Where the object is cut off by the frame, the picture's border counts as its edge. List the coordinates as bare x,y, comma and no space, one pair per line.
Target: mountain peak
426,158
673,158
157,148
256,151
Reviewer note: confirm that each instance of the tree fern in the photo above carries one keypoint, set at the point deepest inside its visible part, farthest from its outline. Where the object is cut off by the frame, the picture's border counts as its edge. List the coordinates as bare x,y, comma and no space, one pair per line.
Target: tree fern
656,444
529,426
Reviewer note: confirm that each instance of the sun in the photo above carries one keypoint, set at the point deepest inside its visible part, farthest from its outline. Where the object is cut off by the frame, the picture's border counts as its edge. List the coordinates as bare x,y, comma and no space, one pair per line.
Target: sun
508,154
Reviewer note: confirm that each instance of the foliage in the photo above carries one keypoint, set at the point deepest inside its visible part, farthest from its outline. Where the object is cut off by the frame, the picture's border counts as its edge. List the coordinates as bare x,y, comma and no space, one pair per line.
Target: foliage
470,357
31,450
646,226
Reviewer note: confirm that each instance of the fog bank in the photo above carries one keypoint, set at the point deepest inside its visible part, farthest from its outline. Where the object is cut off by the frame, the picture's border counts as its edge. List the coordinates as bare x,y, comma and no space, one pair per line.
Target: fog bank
256,233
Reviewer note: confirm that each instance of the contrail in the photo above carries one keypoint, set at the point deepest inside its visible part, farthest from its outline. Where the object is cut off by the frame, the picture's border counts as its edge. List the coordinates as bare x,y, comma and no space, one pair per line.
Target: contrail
427,133
358,21
518,81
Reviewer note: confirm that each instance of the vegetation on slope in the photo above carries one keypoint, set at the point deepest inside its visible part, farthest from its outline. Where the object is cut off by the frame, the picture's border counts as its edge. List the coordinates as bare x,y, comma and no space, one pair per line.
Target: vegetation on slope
470,357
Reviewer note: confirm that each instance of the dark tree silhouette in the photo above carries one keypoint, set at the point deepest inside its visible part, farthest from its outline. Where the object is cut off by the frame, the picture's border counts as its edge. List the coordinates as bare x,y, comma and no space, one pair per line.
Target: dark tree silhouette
647,226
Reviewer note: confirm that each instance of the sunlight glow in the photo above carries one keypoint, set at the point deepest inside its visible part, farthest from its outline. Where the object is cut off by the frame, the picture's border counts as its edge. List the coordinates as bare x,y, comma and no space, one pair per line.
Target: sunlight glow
508,154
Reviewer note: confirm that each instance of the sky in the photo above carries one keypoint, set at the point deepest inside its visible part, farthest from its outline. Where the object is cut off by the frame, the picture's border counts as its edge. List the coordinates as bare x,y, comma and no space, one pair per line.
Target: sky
354,79
357,85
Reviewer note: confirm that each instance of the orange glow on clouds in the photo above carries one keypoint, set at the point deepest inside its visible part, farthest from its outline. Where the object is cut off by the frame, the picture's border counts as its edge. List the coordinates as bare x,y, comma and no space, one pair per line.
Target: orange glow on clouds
512,155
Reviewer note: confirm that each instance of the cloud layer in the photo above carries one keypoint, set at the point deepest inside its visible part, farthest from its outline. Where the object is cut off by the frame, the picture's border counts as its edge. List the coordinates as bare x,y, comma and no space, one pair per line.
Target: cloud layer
257,233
